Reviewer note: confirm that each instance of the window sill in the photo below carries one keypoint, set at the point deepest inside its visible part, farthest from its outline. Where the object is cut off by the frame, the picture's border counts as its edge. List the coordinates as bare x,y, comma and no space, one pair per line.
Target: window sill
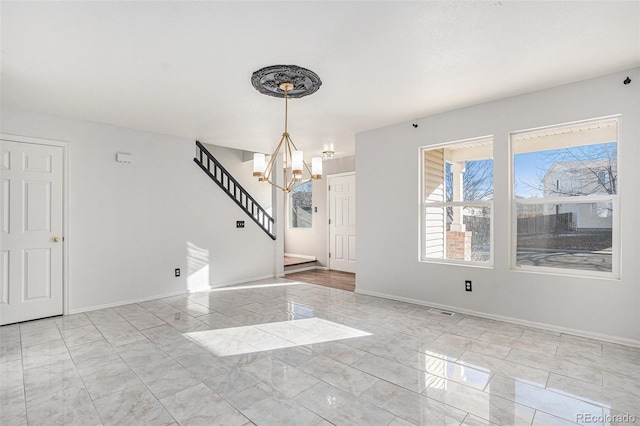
458,263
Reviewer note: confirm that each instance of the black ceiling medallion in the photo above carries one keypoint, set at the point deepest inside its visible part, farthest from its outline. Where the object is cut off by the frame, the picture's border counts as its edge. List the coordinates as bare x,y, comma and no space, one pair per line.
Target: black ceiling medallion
269,79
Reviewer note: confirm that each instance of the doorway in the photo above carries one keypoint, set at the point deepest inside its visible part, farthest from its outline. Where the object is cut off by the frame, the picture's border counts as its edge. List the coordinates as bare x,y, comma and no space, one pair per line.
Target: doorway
342,222
32,218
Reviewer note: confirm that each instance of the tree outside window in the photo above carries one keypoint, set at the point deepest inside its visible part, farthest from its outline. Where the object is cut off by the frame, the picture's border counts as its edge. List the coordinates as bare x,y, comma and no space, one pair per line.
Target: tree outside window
566,197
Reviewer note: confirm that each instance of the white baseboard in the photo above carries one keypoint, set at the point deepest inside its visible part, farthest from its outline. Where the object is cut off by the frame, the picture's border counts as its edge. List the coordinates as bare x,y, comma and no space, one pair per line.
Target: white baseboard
533,324
162,296
126,302
301,256
246,280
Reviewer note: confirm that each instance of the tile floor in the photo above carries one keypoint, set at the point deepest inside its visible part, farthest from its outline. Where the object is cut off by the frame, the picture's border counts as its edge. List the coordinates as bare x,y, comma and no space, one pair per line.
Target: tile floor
300,354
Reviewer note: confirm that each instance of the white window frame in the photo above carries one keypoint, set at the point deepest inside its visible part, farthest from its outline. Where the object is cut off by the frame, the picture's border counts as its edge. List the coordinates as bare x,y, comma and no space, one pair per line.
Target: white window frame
614,199
422,204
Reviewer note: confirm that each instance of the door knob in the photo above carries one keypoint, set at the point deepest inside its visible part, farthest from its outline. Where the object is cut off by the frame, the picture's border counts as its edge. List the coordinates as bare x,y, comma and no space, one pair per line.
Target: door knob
56,239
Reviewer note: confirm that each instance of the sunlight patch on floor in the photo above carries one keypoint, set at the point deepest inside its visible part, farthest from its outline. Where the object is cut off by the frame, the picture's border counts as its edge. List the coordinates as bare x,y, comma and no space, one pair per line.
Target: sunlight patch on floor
269,336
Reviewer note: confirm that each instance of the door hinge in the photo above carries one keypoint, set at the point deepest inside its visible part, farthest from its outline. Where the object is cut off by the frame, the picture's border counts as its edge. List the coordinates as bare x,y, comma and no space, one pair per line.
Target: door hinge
329,255
329,187
329,221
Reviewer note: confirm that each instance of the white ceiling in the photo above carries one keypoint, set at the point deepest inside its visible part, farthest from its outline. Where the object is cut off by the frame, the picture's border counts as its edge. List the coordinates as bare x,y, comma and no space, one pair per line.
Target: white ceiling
184,68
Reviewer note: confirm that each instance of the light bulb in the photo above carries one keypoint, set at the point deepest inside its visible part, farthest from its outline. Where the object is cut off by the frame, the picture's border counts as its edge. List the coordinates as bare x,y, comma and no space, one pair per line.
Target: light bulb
258,164
316,168
296,163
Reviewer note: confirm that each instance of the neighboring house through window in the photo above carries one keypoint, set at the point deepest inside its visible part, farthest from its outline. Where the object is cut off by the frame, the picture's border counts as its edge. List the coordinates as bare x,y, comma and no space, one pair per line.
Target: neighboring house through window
566,198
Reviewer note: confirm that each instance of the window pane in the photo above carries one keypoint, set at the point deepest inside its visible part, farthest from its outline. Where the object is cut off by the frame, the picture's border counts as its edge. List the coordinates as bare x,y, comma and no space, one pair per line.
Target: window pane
567,236
458,173
445,239
567,172
476,178
301,210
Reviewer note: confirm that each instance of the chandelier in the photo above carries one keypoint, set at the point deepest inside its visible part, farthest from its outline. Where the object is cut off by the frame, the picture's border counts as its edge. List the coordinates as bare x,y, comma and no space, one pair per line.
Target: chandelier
286,81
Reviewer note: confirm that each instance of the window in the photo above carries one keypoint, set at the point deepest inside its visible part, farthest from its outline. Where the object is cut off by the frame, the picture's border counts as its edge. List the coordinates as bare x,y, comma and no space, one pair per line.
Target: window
565,203
456,208
300,211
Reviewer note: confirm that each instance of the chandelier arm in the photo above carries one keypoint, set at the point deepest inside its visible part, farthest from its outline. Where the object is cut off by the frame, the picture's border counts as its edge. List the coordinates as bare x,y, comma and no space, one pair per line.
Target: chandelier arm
291,142
295,184
292,184
269,168
277,186
270,182
307,167
289,154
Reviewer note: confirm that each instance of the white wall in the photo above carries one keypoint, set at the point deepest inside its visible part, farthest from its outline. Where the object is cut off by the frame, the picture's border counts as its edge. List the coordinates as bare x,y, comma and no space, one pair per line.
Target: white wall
233,160
130,225
388,215
313,241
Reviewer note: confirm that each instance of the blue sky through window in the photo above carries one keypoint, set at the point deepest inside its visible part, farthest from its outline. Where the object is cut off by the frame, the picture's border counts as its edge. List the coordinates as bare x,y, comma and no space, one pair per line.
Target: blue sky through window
530,167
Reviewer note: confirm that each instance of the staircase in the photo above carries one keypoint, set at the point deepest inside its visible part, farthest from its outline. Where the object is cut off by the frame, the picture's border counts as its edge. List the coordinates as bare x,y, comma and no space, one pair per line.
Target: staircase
228,184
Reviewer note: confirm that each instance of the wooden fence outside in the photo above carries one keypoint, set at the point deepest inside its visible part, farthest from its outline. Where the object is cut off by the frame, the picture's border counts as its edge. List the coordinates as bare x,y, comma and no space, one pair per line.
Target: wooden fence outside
481,228
549,224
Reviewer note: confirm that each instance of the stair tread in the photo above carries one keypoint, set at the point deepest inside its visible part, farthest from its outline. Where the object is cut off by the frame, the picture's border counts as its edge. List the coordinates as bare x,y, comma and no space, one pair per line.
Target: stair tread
289,261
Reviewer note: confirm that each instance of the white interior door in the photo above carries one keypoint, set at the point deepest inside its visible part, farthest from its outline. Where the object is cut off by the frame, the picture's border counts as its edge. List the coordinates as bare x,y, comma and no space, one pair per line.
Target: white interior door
31,221
342,222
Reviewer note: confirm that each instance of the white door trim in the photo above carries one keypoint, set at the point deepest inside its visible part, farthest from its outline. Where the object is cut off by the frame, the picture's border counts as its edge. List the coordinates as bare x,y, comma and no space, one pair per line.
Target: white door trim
65,205
328,203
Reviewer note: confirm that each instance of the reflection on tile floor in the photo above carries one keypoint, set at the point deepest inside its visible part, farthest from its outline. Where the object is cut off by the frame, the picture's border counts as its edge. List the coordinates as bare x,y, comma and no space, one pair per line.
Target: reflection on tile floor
300,354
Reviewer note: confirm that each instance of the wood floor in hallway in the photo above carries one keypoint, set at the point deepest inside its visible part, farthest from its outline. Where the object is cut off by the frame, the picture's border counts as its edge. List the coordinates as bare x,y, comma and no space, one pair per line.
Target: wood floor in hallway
335,279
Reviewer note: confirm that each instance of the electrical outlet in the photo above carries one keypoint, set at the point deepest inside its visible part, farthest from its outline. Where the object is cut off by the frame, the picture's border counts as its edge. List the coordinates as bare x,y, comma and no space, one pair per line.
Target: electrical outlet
239,223
177,272
467,285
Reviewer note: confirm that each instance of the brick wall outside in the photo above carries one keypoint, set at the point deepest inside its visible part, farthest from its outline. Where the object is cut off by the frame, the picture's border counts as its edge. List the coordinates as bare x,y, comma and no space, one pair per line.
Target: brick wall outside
459,245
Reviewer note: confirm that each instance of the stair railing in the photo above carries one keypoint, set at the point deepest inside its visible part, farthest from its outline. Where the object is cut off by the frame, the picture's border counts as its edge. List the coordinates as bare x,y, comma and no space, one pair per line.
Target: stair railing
234,190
